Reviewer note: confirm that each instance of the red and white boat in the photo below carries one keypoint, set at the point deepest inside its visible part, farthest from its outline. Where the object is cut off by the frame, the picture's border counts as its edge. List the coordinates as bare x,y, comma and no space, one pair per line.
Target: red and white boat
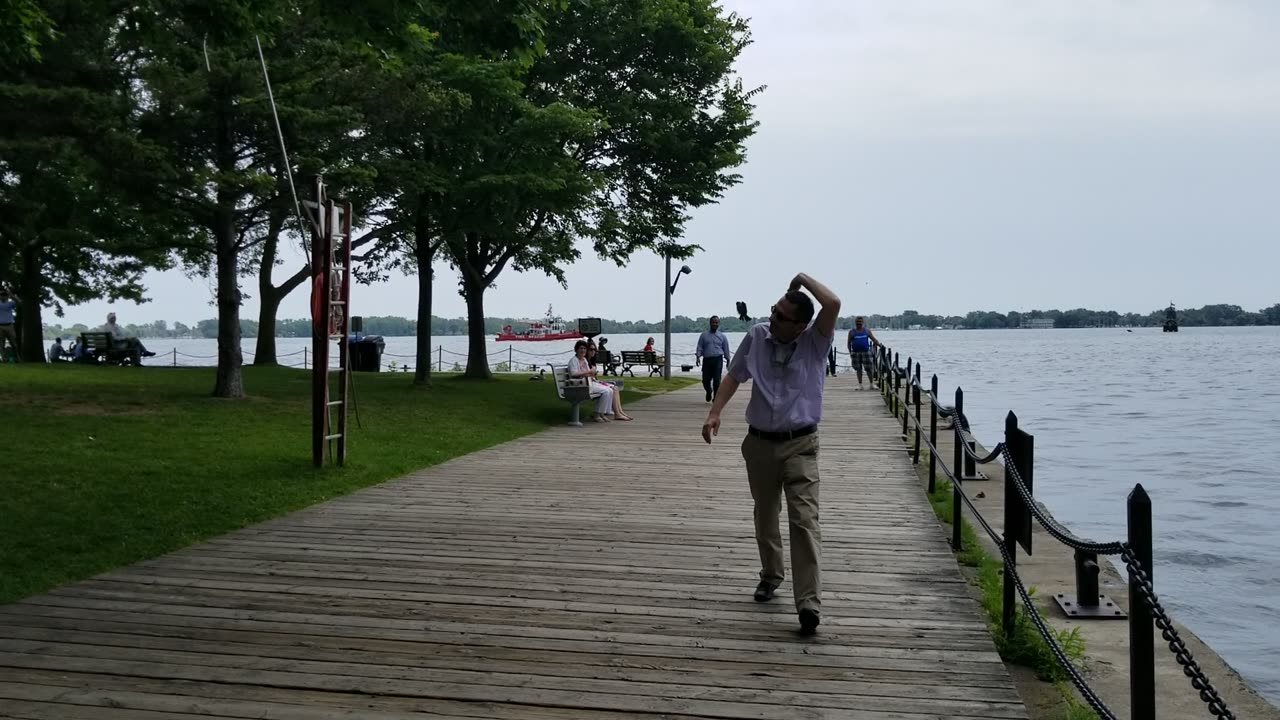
549,328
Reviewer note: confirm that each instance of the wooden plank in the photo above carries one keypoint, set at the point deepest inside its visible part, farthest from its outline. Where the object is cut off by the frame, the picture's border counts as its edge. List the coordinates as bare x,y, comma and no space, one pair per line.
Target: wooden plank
513,584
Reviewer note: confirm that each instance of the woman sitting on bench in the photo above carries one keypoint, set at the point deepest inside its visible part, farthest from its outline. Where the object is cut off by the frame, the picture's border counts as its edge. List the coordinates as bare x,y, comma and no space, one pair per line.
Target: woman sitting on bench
609,401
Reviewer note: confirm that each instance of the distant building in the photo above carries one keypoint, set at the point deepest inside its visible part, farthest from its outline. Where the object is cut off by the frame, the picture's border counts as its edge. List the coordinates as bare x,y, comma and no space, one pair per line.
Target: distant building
1037,324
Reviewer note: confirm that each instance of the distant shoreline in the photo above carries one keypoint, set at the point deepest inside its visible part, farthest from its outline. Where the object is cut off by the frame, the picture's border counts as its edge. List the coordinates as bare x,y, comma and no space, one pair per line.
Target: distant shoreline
72,332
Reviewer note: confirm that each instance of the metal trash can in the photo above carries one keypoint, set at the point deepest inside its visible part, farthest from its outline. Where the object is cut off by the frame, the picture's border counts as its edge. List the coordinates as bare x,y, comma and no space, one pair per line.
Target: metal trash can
366,353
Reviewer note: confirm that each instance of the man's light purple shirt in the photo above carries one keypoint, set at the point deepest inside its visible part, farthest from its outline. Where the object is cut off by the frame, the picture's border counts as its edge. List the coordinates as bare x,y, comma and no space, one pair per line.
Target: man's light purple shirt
787,379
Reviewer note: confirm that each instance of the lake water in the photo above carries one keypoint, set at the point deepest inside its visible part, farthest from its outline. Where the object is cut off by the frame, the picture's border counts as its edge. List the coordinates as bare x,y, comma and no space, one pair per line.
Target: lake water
1191,415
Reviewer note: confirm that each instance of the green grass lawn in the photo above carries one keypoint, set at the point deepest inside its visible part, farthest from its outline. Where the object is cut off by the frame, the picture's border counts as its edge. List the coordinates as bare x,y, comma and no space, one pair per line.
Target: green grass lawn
108,466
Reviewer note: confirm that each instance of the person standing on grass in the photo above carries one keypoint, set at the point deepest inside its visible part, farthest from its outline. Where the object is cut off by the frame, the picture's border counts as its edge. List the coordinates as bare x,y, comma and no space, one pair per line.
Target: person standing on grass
785,359
860,341
8,334
713,346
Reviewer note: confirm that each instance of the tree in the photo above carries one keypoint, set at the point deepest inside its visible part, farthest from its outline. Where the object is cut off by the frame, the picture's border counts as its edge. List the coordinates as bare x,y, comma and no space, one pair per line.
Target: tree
66,234
406,117
1271,315
639,97
204,109
427,117
25,28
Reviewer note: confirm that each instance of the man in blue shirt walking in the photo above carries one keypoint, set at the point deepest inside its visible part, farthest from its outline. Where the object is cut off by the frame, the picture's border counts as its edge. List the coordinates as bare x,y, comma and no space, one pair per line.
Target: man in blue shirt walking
713,346
860,341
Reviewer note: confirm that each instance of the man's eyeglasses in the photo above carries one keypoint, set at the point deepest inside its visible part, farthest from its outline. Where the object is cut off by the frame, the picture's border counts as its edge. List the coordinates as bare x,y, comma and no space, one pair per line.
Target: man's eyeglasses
775,312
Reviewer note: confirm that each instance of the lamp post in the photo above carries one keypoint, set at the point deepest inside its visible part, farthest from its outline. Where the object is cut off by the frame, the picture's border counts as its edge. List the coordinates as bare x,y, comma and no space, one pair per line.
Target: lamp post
670,288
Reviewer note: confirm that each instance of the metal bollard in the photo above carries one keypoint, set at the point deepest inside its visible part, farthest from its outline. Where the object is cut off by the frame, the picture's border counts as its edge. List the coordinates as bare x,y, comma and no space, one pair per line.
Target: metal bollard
1087,603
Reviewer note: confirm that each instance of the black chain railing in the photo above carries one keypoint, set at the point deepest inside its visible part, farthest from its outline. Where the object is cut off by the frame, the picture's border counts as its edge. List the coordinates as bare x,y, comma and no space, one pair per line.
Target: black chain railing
1020,508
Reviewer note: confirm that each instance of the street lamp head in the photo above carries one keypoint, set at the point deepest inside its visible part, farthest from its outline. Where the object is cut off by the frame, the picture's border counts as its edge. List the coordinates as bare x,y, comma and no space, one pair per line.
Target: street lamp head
684,270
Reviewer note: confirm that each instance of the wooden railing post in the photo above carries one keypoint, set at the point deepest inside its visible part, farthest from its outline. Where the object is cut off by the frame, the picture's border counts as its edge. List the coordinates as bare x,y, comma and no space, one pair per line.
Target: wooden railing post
933,432
955,470
971,465
1142,658
915,389
896,382
886,384
880,353
1013,441
906,400
884,367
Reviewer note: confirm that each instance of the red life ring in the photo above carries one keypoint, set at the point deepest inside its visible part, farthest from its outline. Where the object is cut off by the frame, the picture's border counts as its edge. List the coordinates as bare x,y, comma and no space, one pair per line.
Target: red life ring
318,304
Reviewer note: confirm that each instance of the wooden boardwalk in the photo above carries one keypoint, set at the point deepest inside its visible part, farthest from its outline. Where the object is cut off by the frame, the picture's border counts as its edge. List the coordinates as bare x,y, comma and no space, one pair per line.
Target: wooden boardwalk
597,572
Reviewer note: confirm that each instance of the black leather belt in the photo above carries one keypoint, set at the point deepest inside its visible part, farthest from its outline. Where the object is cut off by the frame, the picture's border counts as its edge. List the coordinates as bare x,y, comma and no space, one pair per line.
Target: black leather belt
784,435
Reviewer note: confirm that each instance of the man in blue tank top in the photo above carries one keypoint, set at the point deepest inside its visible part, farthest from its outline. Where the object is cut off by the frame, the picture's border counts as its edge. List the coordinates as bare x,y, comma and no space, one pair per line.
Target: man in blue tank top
860,340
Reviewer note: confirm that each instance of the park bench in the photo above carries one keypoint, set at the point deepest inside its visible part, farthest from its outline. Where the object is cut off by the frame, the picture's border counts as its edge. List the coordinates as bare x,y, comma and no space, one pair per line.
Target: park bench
99,347
608,361
632,358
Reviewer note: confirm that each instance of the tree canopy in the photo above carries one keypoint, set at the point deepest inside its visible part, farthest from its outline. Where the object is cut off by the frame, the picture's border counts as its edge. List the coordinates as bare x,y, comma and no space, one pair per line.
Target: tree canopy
489,135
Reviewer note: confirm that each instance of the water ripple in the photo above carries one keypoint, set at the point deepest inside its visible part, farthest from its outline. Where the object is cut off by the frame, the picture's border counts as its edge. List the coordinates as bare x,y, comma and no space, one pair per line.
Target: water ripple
1206,447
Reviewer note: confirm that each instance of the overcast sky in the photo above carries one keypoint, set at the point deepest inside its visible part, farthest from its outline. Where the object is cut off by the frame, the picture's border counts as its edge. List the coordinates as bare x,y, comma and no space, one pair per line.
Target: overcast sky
951,156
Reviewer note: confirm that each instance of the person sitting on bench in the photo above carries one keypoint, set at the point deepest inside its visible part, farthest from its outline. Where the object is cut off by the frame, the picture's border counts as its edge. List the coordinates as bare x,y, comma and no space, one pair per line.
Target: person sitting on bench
609,399
57,353
132,344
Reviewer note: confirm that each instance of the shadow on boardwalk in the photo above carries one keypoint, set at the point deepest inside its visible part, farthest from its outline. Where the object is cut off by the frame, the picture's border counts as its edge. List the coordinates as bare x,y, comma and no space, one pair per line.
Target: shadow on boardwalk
594,572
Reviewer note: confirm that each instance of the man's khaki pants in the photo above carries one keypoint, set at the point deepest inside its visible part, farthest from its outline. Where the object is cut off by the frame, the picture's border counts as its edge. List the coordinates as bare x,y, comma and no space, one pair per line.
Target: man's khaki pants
788,467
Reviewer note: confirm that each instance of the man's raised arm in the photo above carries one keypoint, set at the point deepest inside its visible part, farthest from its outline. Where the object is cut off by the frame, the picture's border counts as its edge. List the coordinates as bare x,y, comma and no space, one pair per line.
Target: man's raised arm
830,312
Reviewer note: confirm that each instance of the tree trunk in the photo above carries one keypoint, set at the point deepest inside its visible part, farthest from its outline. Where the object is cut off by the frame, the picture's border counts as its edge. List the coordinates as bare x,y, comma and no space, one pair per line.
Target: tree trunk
30,327
477,345
229,383
268,298
422,373
424,253
268,307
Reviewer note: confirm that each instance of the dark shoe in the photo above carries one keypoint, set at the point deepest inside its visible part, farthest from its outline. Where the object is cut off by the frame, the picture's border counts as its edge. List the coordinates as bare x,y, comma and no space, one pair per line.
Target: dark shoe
764,591
148,354
809,621
708,396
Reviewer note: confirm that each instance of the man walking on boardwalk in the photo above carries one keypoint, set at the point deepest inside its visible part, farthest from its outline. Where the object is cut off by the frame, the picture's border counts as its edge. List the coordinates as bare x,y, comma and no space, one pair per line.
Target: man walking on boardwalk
785,359
860,340
712,354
